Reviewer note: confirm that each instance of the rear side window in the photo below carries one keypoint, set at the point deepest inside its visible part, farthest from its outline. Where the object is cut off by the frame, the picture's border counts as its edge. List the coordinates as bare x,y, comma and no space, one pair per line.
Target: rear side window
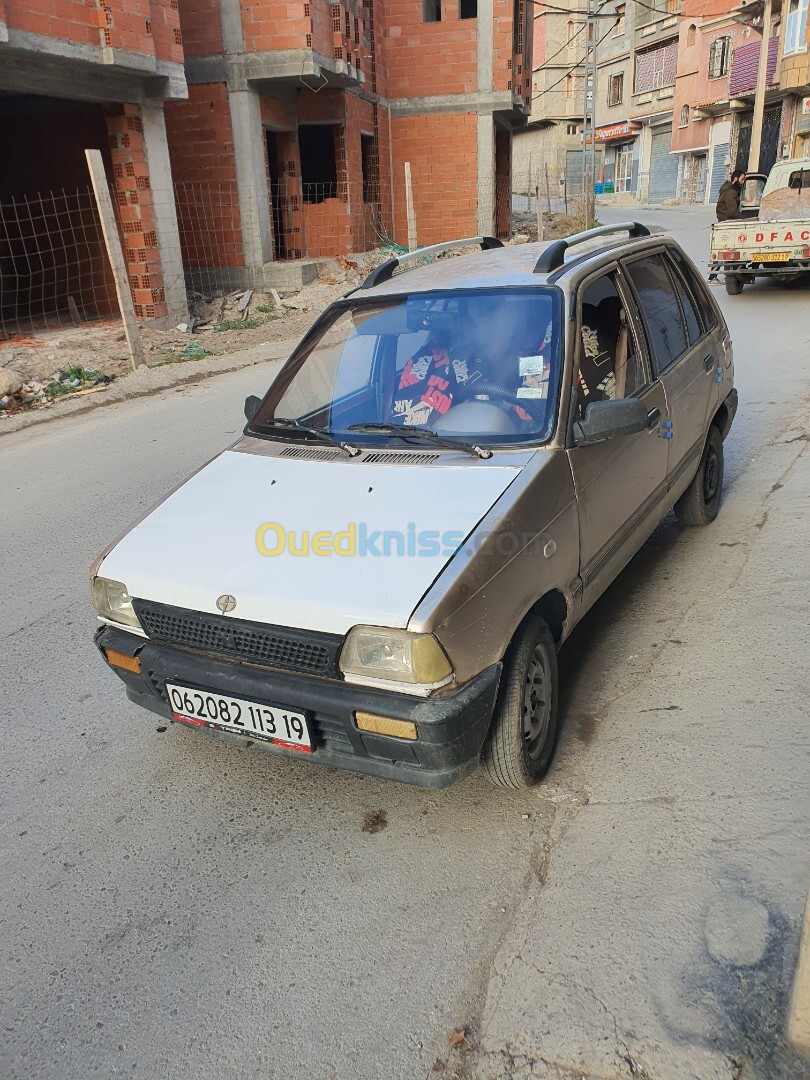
662,312
693,327
696,288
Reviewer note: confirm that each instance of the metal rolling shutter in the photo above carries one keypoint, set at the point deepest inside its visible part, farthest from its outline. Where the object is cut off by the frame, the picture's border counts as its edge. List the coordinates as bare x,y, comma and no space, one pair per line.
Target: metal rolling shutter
663,167
719,170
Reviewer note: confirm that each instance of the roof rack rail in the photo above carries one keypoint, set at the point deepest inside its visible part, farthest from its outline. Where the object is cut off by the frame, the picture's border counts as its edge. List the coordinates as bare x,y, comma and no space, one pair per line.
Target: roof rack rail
554,255
385,271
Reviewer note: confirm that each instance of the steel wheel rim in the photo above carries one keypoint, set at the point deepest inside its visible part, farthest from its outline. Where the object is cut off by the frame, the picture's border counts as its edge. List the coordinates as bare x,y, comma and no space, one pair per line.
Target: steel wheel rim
710,475
536,703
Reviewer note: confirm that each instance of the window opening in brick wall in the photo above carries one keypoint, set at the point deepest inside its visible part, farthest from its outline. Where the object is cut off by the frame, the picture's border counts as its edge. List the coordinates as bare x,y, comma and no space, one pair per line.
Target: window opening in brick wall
685,116
319,179
656,68
796,27
618,29
616,89
691,35
468,9
432,10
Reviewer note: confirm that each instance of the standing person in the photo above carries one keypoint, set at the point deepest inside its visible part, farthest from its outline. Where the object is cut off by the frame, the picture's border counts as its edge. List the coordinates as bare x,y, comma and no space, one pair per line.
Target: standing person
728,203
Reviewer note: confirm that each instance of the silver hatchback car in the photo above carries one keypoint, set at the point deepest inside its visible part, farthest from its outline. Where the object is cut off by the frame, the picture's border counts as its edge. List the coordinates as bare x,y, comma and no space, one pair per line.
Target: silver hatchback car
452,466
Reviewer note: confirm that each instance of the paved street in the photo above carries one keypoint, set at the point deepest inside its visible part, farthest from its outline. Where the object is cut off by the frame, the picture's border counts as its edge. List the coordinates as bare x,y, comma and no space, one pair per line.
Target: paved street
170,907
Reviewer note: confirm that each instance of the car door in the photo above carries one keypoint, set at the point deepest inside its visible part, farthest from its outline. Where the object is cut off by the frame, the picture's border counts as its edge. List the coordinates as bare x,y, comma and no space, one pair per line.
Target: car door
683,359
619,482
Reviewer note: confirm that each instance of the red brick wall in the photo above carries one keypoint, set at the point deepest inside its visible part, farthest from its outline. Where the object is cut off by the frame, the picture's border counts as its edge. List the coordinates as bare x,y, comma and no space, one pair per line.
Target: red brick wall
200,136
444,182
422,59
132,193
201,26
275,24
204,171
150,27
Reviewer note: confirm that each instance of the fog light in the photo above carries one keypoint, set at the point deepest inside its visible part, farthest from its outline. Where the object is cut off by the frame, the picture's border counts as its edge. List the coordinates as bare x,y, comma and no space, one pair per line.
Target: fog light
386,725
119,659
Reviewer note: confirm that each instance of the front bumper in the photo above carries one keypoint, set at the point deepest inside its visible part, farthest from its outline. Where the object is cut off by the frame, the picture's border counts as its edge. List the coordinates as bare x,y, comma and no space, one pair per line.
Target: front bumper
451,729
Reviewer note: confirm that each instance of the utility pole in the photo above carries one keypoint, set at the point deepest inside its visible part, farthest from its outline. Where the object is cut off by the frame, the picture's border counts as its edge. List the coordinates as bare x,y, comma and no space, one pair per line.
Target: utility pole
762,82
588,107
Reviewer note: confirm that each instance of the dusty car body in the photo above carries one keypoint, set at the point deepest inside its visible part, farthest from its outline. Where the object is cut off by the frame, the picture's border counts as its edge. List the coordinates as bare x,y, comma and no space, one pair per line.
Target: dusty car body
506,513
772,238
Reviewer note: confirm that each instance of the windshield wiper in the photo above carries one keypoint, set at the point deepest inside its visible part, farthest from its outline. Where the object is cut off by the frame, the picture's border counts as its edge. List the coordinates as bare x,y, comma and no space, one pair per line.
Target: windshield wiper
320,433
414,434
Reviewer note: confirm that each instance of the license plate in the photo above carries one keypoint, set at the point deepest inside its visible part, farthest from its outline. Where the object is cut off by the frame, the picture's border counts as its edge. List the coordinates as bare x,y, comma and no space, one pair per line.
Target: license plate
774,256
268,723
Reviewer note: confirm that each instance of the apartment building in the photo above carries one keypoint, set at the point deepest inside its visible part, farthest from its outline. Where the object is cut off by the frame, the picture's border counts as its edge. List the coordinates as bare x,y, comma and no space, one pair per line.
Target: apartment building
636,71
712,127
552,142
301,117
77,75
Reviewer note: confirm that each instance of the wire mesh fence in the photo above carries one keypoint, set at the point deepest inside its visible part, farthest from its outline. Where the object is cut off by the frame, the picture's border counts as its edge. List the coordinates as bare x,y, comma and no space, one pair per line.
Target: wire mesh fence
55,272
54,269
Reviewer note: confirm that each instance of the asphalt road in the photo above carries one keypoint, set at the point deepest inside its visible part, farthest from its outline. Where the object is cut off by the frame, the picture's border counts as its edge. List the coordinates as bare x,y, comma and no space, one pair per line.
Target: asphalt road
170,907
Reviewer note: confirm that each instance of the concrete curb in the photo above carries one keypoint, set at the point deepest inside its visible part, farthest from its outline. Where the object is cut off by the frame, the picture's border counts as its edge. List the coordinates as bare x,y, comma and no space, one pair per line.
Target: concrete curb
151,380
798,1027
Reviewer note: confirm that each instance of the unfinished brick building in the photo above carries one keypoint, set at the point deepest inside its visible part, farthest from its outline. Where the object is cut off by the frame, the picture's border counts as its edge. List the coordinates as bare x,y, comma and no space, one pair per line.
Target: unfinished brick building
244,139
301,116
74,75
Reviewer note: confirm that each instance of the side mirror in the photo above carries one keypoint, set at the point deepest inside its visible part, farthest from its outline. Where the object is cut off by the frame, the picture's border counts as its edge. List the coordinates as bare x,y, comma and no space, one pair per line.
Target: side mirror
610,420
251,405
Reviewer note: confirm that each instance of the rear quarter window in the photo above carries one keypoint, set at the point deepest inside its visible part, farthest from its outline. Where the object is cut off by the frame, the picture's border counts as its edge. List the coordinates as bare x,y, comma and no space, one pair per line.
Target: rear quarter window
696,287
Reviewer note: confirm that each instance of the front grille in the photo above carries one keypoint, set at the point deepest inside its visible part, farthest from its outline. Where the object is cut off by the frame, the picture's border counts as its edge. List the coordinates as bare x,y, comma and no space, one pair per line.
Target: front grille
255,643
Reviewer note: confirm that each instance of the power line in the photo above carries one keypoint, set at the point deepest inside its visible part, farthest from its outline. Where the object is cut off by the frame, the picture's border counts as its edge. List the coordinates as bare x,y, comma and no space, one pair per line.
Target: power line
568,71
548,59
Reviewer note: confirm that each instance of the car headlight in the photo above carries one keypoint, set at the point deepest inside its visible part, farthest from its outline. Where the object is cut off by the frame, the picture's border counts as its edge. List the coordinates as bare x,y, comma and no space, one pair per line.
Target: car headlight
112,601
382,655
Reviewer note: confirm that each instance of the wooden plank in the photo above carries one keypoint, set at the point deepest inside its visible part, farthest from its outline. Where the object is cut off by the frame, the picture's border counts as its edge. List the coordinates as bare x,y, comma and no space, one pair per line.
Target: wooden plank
112,241
412,241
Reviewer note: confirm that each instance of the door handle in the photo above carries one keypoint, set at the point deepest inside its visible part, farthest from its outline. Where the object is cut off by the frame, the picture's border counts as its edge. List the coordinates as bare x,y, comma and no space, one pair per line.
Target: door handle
653,416
708,363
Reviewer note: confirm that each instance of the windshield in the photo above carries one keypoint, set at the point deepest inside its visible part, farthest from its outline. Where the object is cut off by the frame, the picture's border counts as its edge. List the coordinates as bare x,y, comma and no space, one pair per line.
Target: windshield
477,364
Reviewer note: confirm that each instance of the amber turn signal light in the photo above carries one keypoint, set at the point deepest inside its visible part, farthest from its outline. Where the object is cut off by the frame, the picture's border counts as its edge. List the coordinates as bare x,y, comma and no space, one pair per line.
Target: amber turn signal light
119,659
386,725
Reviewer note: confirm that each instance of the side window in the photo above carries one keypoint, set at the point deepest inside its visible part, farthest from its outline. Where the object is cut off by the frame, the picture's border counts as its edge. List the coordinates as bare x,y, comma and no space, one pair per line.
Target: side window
688,307
661,310
696,288
610,362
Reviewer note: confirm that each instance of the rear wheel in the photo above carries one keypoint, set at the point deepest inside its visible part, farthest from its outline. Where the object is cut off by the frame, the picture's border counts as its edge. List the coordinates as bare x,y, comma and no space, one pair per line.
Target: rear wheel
700,502
523,733
734,284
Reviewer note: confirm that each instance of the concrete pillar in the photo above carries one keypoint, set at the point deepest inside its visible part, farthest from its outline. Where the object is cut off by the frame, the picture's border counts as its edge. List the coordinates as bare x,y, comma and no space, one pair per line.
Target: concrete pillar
485,26
165,212
251,176
486,174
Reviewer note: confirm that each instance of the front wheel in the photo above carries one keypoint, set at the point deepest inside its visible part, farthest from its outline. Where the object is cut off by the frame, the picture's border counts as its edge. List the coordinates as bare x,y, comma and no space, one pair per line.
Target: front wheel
521,739
734,284
700,502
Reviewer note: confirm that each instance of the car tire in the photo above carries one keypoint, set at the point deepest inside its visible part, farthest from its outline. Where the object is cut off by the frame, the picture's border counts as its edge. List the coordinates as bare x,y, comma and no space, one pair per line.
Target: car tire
700,502
734,284
521,739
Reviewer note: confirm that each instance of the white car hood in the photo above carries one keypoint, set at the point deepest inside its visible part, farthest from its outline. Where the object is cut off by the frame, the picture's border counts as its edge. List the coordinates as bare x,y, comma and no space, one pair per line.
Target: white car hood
200,543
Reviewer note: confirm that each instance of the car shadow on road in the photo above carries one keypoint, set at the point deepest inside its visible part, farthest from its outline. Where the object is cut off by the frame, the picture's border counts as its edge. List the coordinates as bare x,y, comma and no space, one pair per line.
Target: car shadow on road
584,685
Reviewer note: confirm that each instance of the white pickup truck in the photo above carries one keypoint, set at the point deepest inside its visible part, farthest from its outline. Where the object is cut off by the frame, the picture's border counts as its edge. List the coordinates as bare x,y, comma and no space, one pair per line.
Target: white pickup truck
772,237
